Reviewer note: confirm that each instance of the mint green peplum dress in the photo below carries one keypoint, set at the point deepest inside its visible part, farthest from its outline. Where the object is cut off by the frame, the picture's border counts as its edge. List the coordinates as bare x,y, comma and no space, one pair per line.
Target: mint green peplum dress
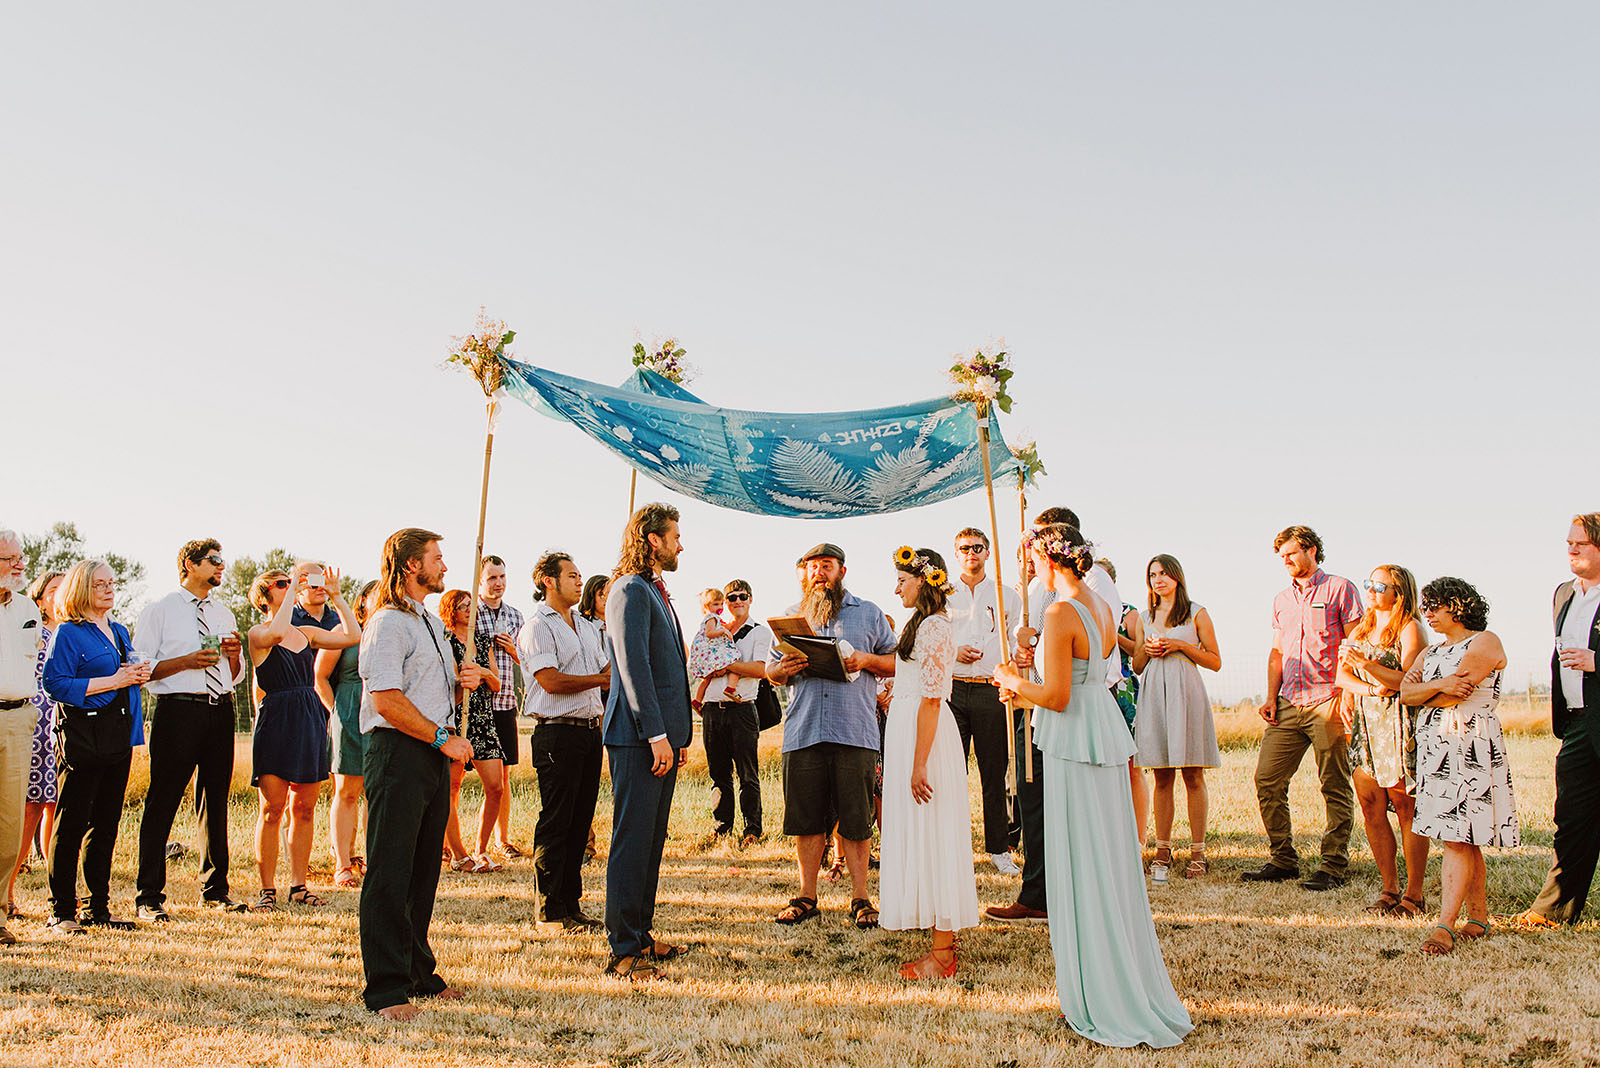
1110,977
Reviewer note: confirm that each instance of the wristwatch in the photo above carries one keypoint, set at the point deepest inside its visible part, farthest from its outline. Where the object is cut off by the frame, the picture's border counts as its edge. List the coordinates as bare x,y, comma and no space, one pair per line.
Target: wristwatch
1033,641
440,736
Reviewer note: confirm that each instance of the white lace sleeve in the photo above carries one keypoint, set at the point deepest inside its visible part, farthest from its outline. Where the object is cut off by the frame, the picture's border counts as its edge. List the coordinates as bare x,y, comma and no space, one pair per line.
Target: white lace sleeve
935,651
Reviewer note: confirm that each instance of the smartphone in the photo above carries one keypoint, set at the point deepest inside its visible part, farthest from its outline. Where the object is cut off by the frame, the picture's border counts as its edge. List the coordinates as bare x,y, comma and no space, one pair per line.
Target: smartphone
315,580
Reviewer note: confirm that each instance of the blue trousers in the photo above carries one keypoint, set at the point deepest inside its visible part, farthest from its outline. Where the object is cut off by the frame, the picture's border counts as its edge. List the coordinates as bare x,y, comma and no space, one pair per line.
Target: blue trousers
641,803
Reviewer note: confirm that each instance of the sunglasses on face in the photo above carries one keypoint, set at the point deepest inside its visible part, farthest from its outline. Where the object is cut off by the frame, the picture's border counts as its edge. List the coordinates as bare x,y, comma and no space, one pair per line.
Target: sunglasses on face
966,549
736,597
280,584
214,558
1375,587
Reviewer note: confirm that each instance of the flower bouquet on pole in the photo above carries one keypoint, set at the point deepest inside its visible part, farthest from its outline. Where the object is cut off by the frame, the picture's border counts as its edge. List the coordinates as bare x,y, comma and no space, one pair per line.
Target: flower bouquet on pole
482,354
667,361
981,380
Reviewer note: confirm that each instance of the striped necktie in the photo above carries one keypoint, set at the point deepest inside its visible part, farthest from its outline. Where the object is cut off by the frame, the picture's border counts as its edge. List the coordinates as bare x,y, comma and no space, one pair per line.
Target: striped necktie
214,685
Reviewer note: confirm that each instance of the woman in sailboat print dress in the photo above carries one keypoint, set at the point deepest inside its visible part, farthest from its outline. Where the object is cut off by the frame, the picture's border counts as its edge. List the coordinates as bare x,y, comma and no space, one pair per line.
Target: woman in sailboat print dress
1464,795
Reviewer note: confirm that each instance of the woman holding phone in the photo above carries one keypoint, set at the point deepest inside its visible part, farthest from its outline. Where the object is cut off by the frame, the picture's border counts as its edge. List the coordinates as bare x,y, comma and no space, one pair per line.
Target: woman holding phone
290,752
93,674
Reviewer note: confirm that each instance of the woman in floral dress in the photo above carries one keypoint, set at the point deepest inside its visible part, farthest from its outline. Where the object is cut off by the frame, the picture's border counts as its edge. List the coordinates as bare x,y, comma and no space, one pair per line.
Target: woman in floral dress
1383,743
39,807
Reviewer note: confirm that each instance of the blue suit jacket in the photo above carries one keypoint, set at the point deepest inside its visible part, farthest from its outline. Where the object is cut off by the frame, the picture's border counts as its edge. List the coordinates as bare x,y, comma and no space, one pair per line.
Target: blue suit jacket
649,667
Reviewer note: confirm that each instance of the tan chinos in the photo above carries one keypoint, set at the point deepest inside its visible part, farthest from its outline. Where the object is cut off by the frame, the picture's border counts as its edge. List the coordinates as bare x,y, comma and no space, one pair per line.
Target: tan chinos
1283,746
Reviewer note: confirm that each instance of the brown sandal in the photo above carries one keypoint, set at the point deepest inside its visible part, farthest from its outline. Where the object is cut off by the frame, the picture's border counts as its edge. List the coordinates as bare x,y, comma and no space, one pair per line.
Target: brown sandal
1466,935
798,910
1198,867
1433,947
1409,908
631,969
1387,902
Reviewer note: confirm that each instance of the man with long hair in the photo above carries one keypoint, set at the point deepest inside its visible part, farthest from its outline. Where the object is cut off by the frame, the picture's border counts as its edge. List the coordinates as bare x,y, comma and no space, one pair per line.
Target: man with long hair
410,688
830,734
646,733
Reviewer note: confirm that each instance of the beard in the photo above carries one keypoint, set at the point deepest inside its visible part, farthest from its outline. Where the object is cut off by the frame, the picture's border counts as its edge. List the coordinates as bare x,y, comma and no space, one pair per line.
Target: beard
14,583
214,580
822,602
665,562
432,581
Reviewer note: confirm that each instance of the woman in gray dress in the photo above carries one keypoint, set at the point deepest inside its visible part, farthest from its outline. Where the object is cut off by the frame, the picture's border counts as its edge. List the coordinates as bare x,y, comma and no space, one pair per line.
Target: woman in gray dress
1174,728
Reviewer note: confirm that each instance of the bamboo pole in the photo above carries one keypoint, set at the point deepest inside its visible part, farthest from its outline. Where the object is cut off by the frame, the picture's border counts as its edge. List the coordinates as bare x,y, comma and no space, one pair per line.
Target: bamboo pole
1022,578
633,488
477,553
999,583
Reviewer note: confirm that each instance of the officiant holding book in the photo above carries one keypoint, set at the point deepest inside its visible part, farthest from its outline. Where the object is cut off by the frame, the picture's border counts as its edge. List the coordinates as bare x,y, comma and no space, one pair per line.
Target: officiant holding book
830,733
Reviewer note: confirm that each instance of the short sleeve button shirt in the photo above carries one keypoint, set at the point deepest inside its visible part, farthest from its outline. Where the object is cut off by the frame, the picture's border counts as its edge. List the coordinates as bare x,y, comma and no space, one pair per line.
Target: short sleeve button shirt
409,652
842,712
548,642
1310,621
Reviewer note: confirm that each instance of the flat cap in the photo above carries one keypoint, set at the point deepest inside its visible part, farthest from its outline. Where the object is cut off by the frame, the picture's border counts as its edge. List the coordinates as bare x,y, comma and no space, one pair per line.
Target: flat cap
826,548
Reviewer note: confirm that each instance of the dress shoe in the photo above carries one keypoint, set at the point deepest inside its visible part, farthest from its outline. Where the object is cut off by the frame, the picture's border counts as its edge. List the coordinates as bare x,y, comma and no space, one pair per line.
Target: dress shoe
1271,873
1016,912
564,925
6,937
1321,880
154,914
588,923
224,904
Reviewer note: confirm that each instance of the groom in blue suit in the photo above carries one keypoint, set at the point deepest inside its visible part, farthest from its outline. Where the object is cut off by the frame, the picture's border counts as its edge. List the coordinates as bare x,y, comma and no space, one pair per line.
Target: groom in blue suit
647,732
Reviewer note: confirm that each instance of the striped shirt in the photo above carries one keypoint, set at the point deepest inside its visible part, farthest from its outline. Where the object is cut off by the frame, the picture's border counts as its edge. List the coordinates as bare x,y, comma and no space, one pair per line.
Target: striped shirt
502,620
1308,624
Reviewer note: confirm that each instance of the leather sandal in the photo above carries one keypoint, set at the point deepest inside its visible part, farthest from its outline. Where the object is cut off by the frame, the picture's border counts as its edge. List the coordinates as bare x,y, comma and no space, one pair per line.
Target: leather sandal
346,878
299,895
1434,946
267,902
1387,902
631,969
798,910
931,967
1466,934
863,914
1409,908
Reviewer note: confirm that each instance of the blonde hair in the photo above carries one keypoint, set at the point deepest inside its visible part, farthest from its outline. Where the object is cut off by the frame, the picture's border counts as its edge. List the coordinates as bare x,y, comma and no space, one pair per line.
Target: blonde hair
75,598
710,596
260,597
1405,608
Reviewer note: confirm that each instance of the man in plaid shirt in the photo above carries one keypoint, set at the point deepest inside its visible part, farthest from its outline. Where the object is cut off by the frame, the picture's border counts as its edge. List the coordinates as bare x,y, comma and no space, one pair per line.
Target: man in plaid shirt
502,622
1309,620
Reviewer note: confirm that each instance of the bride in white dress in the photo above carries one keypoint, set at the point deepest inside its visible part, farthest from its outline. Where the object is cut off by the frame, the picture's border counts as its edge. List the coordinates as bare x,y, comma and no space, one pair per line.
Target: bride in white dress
927,875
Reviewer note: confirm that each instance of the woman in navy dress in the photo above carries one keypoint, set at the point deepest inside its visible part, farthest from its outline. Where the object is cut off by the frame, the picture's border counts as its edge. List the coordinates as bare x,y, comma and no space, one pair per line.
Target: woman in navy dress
290,752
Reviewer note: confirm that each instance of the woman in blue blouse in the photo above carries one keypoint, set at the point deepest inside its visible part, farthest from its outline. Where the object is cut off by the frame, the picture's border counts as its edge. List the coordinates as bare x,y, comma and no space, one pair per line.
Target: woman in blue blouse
99,720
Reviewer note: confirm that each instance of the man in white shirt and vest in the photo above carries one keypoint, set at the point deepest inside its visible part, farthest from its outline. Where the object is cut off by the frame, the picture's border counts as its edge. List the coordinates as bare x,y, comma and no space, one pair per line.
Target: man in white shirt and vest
198,659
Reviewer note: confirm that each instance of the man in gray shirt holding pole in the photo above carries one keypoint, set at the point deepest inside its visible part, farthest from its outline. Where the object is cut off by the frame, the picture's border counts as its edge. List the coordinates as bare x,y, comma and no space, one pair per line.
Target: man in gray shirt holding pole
409,692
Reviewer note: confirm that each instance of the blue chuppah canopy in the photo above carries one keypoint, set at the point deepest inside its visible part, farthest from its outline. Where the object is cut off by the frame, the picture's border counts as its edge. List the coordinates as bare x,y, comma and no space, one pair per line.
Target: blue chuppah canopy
828,466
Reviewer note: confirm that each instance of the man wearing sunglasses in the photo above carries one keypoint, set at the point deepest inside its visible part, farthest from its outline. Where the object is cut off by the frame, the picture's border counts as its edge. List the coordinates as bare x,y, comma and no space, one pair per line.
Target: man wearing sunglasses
198,657
730,727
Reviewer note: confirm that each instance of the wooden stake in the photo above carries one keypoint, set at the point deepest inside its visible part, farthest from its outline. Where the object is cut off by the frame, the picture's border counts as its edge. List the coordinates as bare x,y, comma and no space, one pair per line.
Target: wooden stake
999,584
1022,575
477,554
633,487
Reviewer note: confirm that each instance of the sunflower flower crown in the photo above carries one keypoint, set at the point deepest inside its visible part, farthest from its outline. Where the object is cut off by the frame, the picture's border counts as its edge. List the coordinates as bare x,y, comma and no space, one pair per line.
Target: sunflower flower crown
906,559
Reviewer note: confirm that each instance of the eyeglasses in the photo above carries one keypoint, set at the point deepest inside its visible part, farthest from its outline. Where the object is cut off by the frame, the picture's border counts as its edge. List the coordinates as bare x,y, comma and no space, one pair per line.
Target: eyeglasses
11,561
736,597
103,585
966,549
214,558
1375,587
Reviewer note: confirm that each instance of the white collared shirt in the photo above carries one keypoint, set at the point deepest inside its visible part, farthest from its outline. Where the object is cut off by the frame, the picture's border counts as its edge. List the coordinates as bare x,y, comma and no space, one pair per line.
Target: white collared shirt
169,628
21,628
547,642
973,618
754,646
1575,629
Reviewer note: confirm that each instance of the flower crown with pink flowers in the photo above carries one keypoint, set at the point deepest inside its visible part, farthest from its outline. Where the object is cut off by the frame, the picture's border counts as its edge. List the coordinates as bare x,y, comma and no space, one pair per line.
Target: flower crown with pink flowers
1053,543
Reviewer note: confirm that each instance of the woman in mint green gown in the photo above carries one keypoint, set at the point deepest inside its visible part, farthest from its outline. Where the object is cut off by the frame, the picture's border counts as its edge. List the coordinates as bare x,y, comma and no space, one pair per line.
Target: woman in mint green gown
1110,978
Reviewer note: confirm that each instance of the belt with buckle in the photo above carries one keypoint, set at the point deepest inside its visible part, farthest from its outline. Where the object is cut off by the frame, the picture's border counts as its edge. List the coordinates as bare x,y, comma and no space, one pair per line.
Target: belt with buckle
974,680
9,706
197,698
723,704
592,722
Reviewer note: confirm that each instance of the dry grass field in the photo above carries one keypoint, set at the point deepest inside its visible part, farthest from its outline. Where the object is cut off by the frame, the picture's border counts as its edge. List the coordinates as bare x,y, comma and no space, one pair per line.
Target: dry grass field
1271,976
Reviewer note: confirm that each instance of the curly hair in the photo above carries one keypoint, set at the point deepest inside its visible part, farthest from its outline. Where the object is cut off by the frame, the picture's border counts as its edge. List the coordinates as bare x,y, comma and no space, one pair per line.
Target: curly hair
638,555
1458,597
451,602
195,551
931,600
1304,535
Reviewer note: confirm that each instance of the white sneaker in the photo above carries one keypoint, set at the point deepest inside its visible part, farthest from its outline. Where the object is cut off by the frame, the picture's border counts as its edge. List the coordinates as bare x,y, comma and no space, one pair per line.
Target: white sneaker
1004,864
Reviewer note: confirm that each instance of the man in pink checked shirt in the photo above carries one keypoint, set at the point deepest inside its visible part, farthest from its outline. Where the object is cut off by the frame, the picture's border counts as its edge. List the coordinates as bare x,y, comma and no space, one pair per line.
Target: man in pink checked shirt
1309,620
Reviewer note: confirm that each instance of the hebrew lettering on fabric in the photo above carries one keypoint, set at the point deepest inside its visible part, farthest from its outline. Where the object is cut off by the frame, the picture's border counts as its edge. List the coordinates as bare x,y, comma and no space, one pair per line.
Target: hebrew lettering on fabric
825,466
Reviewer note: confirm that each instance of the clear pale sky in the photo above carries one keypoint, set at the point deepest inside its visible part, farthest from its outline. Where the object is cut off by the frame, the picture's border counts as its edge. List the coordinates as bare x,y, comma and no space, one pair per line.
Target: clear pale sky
1257,264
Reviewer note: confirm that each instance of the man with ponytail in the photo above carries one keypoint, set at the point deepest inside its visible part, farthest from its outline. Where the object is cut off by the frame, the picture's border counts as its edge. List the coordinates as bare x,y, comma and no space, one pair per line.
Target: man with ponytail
410,689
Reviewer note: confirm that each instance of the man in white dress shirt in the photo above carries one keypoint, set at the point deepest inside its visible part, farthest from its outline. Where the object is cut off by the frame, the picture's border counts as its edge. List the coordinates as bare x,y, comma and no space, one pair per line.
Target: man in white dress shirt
979,715
198,658
20,633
